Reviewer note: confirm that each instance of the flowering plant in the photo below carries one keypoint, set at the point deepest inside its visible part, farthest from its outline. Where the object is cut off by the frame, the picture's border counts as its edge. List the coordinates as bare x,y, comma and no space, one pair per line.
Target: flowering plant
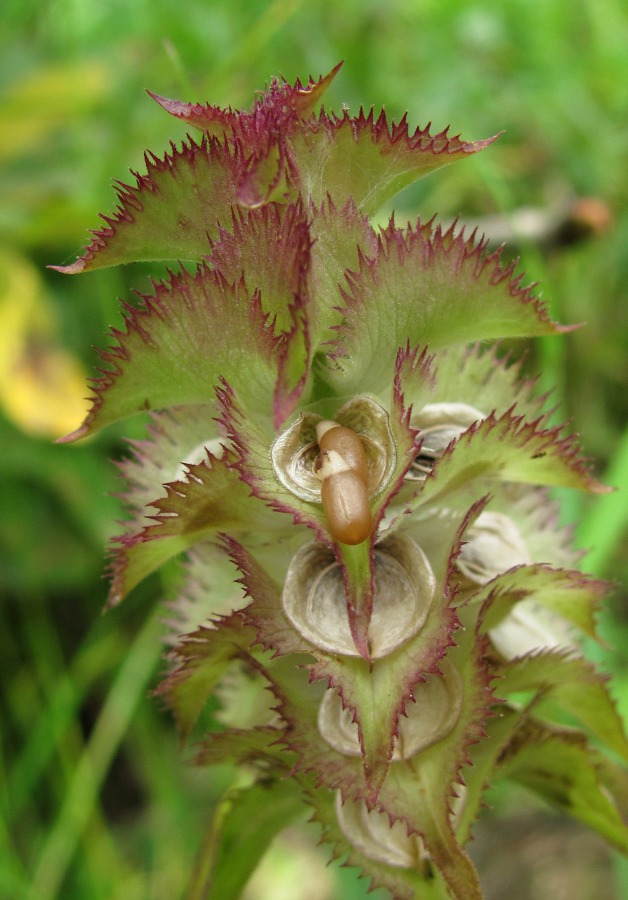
375,586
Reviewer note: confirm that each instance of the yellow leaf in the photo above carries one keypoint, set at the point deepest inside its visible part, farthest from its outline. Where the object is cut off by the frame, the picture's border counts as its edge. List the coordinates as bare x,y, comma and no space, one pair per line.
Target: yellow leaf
42,386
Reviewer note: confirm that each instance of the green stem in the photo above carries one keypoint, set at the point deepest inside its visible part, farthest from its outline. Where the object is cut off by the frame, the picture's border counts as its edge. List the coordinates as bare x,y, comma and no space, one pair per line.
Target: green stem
357,561
199,885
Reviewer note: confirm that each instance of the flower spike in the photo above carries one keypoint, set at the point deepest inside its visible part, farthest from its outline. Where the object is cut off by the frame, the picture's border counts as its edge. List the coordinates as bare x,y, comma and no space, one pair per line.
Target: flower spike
357,478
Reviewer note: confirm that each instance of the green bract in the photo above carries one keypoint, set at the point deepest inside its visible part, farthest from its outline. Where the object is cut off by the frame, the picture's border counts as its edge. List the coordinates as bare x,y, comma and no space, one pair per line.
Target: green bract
376,677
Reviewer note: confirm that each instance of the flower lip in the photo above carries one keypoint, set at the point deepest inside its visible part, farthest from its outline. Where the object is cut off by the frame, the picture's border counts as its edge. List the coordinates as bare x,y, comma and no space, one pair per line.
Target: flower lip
439,424
379,838
531,628
493,544
372,833
295,451
315,602
437,706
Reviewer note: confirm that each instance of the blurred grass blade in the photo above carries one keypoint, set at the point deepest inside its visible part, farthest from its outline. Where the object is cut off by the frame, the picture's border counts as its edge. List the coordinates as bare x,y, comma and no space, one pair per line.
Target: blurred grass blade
126,692
602,529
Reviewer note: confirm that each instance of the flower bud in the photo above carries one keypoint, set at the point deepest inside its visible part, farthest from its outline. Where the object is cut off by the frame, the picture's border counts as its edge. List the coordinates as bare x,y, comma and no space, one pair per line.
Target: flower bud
345,498
346,443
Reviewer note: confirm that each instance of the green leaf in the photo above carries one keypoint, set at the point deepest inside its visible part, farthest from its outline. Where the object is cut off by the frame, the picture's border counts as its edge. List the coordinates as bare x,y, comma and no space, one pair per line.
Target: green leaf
194,331
419,790
206,590
367,159
341,235
572,683
176,437
481,377
245,823
171,211
255,465
507,448
269,248
560,767
479,772
413,385
260,747
267,170
280,102
210,500
569,594
426,287
202,659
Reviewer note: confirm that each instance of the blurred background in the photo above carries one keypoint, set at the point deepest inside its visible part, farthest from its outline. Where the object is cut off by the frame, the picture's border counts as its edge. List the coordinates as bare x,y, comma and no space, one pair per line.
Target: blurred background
96,799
